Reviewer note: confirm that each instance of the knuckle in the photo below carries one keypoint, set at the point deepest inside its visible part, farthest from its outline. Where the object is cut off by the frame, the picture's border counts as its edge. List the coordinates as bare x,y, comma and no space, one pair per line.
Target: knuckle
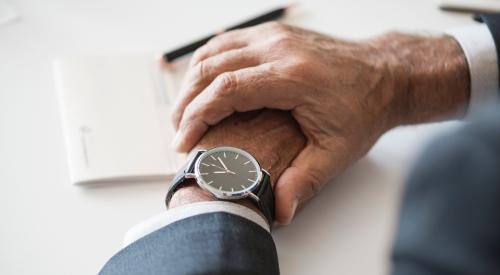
192,115
216,40
314,184
225,83
220,39
201,71
188,114
282,41
276,26
298,66
240,52
271,25
199,54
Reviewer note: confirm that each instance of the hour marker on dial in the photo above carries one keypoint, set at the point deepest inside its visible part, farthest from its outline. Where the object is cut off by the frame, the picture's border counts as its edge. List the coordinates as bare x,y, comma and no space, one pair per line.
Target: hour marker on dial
213,157
246,163
210,182
224,154
237,155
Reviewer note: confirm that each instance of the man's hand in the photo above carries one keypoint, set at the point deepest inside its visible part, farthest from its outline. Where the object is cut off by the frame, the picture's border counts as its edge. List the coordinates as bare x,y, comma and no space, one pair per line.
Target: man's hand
344,95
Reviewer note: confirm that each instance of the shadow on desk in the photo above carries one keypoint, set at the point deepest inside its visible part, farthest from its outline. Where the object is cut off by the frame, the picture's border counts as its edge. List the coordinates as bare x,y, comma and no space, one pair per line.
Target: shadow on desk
347,228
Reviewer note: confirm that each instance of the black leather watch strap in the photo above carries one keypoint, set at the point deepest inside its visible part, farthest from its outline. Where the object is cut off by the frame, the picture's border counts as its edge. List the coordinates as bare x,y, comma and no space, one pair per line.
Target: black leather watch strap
266,198
264,192
180,177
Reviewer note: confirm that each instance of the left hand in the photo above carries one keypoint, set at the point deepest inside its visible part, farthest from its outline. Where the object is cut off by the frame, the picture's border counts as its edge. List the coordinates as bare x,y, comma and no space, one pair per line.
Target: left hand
343,94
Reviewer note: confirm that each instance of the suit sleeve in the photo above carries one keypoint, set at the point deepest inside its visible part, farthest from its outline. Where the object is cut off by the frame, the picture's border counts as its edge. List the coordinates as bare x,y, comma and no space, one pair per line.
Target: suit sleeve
450,216
492,20
211,243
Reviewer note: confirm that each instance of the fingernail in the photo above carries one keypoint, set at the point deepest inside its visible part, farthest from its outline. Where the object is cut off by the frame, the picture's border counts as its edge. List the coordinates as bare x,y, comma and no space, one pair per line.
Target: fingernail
294,208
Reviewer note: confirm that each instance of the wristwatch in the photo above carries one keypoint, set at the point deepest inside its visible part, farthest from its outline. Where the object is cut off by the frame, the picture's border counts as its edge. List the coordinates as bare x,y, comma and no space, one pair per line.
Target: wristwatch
228,173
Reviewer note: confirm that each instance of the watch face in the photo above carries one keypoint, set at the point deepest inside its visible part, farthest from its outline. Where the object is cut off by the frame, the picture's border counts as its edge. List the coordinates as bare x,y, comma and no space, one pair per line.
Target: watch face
227,172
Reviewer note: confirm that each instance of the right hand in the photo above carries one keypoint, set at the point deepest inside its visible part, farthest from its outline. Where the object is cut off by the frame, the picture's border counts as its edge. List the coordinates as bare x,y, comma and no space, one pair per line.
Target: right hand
344,95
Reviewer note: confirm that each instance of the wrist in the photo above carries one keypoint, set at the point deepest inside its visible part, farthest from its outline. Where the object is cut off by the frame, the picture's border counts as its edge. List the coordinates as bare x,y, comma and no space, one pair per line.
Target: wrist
190,193
430,76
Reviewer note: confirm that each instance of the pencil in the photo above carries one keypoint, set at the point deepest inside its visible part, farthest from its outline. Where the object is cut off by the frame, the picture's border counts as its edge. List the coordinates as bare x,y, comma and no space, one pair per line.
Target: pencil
191,47
467,9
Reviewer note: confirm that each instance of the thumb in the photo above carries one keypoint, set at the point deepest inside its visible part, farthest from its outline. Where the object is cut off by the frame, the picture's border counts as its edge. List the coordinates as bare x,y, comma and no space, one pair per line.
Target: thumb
310,170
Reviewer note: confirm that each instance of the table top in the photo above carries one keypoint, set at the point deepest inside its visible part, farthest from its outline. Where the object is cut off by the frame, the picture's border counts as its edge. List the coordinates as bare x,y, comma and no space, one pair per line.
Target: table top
49,226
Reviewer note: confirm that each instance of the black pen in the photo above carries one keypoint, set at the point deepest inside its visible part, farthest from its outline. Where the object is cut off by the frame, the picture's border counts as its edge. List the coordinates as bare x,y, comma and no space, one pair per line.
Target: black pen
191,47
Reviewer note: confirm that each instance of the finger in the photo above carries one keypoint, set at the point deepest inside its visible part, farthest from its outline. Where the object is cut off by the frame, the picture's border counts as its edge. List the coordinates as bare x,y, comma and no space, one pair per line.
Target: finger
200,76
236,39
223,42
240,91
310,170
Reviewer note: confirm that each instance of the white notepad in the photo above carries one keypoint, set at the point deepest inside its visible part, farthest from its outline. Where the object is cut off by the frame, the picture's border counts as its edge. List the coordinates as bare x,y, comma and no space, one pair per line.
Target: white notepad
116,117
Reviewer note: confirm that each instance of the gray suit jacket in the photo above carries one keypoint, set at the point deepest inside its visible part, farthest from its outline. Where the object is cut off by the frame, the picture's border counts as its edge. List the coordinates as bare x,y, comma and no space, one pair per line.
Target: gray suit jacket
213,243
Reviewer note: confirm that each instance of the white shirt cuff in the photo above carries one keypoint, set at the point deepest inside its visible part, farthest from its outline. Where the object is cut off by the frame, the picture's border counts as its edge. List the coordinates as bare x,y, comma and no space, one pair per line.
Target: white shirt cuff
182,212
480,51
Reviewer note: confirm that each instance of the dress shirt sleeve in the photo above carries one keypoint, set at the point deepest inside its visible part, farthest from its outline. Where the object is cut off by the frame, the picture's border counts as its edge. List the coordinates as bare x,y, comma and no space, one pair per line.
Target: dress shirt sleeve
479,47
182,212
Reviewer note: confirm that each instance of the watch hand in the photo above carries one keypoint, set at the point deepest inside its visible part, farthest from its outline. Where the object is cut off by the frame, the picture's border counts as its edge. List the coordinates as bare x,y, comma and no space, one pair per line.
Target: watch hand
225,167
229,171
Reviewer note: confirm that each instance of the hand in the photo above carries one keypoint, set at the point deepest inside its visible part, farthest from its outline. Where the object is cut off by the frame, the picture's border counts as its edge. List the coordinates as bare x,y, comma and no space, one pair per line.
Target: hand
344,95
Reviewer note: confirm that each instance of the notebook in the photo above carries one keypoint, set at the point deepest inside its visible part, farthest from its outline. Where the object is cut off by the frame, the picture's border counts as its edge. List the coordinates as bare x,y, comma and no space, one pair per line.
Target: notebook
115,116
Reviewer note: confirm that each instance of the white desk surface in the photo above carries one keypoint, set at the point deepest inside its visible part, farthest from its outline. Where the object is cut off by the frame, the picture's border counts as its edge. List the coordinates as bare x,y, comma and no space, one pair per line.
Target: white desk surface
50,227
